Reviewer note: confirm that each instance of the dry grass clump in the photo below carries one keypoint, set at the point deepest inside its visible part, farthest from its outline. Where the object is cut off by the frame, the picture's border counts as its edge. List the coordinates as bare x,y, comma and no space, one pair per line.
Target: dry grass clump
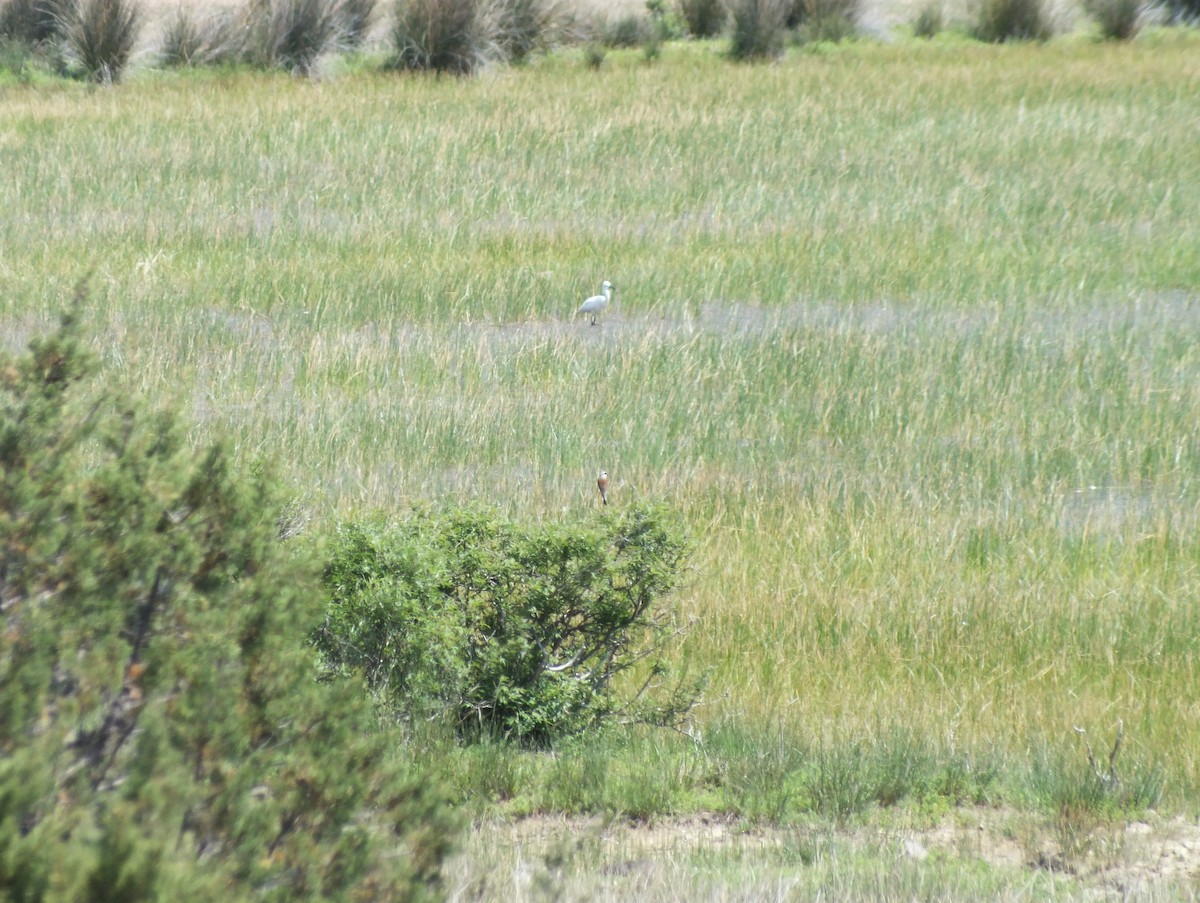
292,34
100,36
704,18
998,21
269,34
929,21
450,36
758,28
526,26
190,41
825,20
629,30
1119,20
356,19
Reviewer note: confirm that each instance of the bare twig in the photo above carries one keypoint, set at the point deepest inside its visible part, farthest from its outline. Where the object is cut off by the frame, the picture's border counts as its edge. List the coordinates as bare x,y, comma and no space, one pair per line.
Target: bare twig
1110,777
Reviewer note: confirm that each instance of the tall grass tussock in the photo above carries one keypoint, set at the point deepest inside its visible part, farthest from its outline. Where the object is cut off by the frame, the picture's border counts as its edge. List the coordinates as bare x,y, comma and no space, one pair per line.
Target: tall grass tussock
293,35
757,28
456,37
1118,20
703,18
101,35
997,21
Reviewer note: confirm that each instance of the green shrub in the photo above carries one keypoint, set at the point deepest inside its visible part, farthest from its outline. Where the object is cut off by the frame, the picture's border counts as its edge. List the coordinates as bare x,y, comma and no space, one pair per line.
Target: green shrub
451,36
161,732
1119,20
998,21
508,631
758,28
593,55
704,18
665,24
929,21
17,58
100,36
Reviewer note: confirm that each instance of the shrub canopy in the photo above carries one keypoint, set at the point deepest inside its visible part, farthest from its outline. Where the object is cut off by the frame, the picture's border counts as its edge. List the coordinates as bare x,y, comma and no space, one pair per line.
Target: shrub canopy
508,630
162,735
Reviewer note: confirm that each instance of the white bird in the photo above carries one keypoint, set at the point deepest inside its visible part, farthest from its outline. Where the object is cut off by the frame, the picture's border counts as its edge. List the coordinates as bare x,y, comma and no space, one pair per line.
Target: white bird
602,485
596,303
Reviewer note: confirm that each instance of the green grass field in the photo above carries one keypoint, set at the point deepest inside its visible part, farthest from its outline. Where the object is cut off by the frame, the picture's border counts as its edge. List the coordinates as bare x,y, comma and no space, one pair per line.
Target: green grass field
907,332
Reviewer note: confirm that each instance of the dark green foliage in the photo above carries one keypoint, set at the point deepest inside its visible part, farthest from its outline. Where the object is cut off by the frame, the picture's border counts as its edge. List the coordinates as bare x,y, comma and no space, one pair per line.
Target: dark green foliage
1119,20
19,59
593,55
929,20
758,28
162,736
505,630
704,18
451,36
32,21
665,23
998,21
100,36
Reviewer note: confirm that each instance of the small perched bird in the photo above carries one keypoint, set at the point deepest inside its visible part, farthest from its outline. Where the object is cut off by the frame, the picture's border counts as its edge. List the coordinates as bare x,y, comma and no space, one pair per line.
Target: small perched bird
602,485
597,303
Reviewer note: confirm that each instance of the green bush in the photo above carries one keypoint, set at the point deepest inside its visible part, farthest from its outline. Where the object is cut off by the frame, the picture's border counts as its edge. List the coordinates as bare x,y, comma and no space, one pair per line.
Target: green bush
929,21
998,21
704,18
100,36
18,59
450,36
594,54
162,736
1119,20
758,28
509,631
